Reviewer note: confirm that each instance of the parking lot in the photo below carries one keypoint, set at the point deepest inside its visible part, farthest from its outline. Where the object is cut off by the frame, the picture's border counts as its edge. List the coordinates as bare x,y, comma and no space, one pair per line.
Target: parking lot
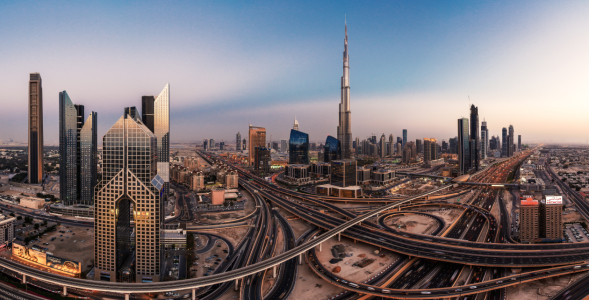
575,233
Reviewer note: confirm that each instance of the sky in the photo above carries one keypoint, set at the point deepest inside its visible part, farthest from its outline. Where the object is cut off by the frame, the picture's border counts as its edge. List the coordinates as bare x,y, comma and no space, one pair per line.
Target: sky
413,65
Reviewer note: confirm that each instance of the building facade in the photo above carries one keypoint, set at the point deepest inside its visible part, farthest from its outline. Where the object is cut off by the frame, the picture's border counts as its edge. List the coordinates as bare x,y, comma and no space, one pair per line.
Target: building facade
262,161
344,129
529,216
35,150
238,142
129,189
332,149
474,137
298,152
68,135
88,159
343,173
463,147
257,138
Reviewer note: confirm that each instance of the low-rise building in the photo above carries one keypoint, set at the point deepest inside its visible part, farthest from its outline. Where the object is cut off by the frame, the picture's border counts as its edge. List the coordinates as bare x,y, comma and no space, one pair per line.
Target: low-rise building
6,229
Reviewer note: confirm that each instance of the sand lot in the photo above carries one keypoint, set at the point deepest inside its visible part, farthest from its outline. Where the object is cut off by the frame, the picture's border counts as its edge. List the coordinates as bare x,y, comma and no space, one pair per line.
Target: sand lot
412,223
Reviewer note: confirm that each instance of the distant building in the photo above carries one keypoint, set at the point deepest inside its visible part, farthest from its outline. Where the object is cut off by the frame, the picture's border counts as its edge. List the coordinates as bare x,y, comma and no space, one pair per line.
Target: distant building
452,143
257,137
463,146
296,125
298,152
418,146
404,137
238,145
484,140
519,142
529,225
35,150
474,137
205,145
406,155
212,144
343,173
505,143
222,146
511,146
399,149
262,159
429,149
283,145
382,146
298,173
332,149
244,145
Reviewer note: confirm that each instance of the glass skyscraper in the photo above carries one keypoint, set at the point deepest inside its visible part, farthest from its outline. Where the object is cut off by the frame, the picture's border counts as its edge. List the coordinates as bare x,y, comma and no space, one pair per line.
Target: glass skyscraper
88,159
404,138
35,150
463,146
298,147
68,140
332,149
129,177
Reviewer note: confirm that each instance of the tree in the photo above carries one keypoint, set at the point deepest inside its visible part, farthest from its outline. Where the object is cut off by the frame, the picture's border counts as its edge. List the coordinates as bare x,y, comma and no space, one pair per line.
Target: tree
19,218
44,222
12,214
578,188
36,226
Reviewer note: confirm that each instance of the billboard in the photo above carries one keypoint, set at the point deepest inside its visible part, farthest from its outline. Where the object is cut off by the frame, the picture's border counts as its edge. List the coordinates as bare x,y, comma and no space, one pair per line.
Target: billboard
29,254
553,199
64,265
528,200
45,259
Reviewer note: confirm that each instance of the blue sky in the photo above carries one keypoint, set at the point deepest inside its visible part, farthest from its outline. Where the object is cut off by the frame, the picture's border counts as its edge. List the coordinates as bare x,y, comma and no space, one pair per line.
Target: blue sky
231,63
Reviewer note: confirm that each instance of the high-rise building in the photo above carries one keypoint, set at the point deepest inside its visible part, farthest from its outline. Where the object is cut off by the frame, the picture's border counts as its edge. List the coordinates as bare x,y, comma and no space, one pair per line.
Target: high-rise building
257,137
504,143
452,144
262,161
400,140
406,158
147,113
296,125
79,126
205,145
529,227
551,217
357,145
344,129
430,147
238,142
298,152
35,150
404,137
418,146
332,150
484,140
343,173
212,144
383,146
68,141
519,142
399,149
444,146
222,146
129,178
283,145
510,142
474,137
88,159
463,146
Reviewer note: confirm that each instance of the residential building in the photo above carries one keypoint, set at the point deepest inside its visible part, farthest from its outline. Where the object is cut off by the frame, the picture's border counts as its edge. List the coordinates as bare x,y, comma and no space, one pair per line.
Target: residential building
529,227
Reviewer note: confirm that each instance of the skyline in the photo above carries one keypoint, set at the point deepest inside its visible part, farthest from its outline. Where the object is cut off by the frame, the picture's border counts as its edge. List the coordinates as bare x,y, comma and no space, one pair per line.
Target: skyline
275,67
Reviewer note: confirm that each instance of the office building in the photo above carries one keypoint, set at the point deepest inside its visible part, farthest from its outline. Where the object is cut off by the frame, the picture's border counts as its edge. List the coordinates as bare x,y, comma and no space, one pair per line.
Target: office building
411,145
284,146
212,144
452,144
147,111
222,146
205,145
295,126
430,150
6,229
35,150
404,137
406,155
262,160
332,149
551,218
344,129
357,144
399,149
129,178
474,137
529,227
418,146
244,144
257,137
519,142
298,152
68,135
343,173
463,146
78,153
484,140
504,143
511,146
383,146
238,146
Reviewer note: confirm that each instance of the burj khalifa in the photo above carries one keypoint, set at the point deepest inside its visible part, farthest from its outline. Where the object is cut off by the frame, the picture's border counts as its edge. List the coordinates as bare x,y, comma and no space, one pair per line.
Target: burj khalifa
344,129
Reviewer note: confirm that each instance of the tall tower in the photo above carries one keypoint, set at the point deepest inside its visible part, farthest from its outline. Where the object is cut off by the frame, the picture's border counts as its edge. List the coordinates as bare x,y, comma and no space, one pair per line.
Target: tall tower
504,143
68,150
344,129
510,141
474,137
88,159
484,140
257,137
404,137
463,146
296,125
129,177
35,129
238,142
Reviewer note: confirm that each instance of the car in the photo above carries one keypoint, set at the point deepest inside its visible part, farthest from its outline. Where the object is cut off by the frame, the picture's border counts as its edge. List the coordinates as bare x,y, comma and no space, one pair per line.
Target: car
62,240
458,290
472,287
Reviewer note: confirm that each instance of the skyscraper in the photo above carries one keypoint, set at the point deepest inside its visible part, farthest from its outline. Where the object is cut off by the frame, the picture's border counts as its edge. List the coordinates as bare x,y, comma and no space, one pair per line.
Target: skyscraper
511,141
283,145
418,146
257,137
147,114
238,142
504,143
298,152
79,126
463,146
332,149
68,136
35,151
296,125
88,159
344,129
474,137
404,137
484,140
519,142
129,177
430,147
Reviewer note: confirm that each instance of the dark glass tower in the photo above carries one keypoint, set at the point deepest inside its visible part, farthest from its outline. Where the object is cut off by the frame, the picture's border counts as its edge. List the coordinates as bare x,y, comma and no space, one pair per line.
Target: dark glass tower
463,146
35,151
68,150
510,141
79,125
147,111
88,159
404,138
298,147
504,143
474,137
332,149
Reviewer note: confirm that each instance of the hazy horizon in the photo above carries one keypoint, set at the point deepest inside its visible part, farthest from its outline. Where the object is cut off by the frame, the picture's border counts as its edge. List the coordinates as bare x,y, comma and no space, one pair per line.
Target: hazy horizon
229,64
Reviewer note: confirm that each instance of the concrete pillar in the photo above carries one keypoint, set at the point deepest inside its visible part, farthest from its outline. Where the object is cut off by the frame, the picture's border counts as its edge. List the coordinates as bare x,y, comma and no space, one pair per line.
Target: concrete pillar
193,294
301,259
126,296
65,291
320,246
274,272
339,237
237,284
24,279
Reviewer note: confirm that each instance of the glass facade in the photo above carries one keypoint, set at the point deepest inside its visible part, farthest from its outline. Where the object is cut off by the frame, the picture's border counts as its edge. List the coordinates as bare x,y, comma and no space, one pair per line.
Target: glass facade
35,150
68,139
257,138
463,146
298,147
129,166
332,149
343,173
88,159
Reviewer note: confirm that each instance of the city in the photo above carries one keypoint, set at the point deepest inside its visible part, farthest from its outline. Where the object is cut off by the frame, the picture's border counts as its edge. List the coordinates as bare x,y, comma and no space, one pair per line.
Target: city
177,187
